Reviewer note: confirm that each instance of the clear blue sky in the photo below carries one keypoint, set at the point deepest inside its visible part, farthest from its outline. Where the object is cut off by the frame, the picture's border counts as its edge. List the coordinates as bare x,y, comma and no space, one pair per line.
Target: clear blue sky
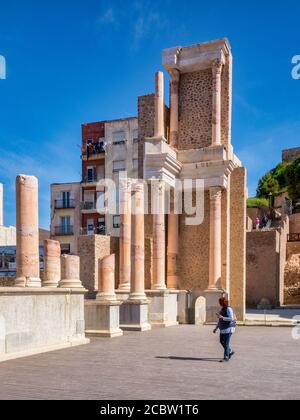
76,61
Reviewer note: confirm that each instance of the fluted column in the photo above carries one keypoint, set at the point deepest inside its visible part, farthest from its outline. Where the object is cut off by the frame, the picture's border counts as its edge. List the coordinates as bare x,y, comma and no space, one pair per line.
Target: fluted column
174,94
216,102
70,272
137,287
52,271
106,288
125,236
172,255
159,240
159,124
215,239
27,226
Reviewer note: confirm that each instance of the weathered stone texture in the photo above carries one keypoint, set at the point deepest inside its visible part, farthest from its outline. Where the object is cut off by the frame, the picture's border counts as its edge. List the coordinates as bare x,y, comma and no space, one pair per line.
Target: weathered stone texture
91,248
262,267
193,258
226,102
146,115
225,237
292,274
195,110
238,241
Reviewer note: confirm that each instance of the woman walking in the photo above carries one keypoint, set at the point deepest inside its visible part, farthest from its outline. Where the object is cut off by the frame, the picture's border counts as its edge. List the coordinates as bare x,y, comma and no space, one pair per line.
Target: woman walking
226,325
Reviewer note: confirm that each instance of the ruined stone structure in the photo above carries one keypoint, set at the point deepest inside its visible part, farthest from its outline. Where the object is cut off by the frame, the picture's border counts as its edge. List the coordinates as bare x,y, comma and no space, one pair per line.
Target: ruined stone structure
209,258
36,319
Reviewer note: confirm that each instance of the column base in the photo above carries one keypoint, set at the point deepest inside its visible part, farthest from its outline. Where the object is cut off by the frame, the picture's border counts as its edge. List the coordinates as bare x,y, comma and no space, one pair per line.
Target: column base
102,318
212,297
163,308
70,284
104,297
28,282
134,316
122,295
50,284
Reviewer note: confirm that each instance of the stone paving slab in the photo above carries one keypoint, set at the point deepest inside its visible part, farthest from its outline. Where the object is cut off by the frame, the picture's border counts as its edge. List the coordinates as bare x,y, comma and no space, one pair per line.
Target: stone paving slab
174,363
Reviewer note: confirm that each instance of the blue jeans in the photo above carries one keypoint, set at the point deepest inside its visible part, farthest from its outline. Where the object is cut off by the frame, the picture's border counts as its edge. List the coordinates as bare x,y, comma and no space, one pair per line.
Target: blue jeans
225,341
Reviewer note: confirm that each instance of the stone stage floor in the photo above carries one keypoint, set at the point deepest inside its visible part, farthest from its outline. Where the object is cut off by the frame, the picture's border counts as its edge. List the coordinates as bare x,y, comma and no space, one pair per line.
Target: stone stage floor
174,363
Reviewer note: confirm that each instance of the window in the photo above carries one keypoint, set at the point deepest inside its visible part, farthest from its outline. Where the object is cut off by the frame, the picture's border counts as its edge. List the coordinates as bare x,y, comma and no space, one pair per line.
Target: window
100,172
100,200
90,226
118,165
101,226
135,164
90,174
116,222
119,137
135,136
65,223
65,248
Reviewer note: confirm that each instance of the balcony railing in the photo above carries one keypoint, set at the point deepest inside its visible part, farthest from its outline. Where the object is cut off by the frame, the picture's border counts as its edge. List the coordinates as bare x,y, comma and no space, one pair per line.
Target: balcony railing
88,205
64,230
65,204
96,231
93,149
294,237
87,180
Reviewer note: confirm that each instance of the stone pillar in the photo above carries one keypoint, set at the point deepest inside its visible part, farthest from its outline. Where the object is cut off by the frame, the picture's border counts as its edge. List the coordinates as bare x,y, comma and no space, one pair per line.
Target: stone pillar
125,236
27,226
159,123
70,272
52,272
137,289
216,102
215,239
159,240
106,289
174,94
173,232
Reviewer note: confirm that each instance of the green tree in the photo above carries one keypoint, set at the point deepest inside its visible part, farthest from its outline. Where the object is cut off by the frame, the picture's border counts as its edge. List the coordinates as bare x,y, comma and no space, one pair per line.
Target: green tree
266,185
292,179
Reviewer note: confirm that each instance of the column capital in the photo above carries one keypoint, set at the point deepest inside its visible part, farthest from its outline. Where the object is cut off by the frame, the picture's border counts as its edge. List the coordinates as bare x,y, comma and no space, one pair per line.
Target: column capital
215,193
217,67
174,75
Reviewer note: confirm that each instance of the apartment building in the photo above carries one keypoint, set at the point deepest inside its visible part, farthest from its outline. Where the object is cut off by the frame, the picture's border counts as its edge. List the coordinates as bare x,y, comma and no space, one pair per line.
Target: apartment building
108,148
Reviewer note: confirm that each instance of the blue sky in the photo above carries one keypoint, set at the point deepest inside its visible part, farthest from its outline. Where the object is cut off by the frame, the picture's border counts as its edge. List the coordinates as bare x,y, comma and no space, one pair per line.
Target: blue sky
78,61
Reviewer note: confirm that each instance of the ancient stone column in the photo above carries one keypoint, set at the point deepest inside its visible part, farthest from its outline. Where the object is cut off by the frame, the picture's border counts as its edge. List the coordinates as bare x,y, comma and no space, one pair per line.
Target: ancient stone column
52,271
174,94
216,102
106,288
159,125
125,236
172,254
137,289
159,240
215,239
27,226
70,272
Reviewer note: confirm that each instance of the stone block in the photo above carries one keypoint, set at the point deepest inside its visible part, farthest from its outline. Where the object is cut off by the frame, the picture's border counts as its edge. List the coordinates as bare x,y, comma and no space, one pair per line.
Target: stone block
134,316
102,319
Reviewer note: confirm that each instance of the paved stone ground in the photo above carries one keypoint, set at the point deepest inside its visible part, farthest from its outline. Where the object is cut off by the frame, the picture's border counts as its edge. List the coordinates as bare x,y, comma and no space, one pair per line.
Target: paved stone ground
175,363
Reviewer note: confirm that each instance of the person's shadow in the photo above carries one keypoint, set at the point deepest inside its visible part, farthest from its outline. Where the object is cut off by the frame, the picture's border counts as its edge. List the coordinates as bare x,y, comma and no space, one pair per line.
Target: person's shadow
195,359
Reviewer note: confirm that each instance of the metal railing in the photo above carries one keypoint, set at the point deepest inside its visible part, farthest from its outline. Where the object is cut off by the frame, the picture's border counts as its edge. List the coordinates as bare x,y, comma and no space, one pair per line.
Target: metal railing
294,237
65,204
96,231
64,230
88,205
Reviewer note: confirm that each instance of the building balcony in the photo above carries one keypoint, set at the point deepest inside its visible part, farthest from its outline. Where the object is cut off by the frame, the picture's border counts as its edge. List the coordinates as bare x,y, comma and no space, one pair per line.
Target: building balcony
64,230
64,204
100,230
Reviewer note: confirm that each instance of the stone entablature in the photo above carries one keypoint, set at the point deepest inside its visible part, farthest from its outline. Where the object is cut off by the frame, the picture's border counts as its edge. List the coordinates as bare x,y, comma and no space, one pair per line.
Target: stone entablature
196,57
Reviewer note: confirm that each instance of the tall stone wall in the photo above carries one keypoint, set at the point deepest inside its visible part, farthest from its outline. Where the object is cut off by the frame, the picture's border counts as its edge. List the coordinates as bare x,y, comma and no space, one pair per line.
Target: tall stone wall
193,258
292,274
238,184
295,223
195,110
146,114
225,234
263,267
